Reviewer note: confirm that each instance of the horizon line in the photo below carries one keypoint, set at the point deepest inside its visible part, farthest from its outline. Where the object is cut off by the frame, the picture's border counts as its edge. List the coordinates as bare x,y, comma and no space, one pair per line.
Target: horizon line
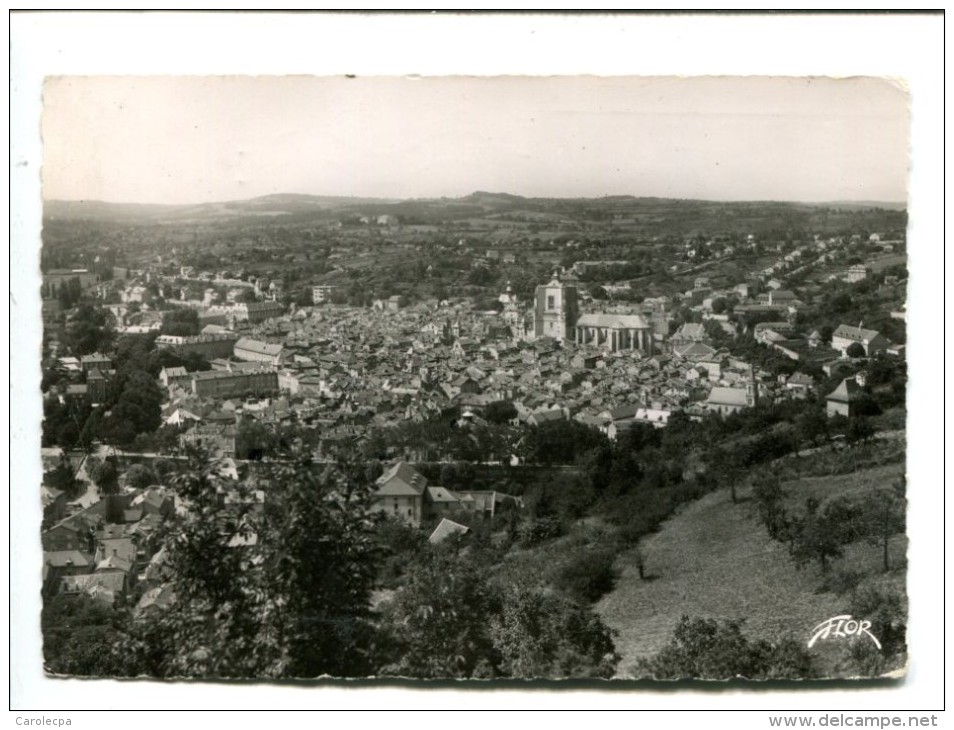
858,201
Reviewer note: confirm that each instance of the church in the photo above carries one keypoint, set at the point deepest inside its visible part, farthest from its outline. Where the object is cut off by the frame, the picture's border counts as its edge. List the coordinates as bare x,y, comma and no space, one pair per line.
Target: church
556,309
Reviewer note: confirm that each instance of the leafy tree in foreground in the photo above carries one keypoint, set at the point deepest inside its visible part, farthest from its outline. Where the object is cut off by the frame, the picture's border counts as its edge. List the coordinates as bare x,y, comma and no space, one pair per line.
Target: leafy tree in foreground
448,621
106,477
140,477
75,631
274,590
547,636
709,649
436,626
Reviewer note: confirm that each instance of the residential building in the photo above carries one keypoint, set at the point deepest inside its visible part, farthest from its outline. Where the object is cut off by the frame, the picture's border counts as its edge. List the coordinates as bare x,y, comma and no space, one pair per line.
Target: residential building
844,399
257,351
730,400
228,383
400,493
845,336
856,273
322,293
206,345
96,361
175,376
255,312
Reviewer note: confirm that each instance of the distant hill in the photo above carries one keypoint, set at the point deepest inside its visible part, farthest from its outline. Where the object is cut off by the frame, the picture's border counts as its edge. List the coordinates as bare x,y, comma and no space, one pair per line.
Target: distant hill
277,204
687,214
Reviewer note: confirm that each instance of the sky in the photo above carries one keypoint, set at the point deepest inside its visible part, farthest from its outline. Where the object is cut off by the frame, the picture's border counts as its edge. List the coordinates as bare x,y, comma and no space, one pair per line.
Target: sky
188,139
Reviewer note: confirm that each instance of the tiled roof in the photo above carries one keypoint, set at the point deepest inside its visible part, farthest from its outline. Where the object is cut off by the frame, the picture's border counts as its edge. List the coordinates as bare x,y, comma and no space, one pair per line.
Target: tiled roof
847,391
727,397
613,321
857,334
445,529
401,479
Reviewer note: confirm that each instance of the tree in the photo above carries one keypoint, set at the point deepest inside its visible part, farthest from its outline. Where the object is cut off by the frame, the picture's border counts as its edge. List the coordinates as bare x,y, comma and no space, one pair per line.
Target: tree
855,349
276,591
247,296
253,440
106,477
136,410
78,636
812,425
883,516
885,607
436,625
768,492
540,635
561,442
501,411
859,429
708,649
89,330
180,322
61,477
140,477
823,532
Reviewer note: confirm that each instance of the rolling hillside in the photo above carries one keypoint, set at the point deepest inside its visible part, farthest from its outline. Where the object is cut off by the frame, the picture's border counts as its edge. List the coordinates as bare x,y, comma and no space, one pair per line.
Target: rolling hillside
715,560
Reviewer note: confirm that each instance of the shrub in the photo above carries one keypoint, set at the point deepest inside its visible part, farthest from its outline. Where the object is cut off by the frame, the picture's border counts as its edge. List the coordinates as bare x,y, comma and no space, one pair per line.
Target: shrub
536,530
842,581
588,576
708,649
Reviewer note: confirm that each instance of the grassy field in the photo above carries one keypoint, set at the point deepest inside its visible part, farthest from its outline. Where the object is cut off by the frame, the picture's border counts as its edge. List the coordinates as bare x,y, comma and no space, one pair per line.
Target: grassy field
714,559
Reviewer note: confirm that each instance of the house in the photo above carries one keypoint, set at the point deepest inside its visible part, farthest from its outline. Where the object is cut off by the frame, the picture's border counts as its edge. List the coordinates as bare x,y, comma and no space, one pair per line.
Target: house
687,334
486,502
96,386
54,504
322,293
781,297
871,340
729,400
694,351
446,529
256,351
255,312
440,501
656,417
108,587
174,376
96,360
59,564
538,418
157,599
800,382
844,399
400,493
856,273
769,332
155,501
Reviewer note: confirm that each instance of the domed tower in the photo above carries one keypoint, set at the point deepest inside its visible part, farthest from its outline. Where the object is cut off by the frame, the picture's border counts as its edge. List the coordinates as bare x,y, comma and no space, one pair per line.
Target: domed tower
556,309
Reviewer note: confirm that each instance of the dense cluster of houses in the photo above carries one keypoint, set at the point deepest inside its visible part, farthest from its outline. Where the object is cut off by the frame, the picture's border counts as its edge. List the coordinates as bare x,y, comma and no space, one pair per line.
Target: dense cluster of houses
108,550
346,371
